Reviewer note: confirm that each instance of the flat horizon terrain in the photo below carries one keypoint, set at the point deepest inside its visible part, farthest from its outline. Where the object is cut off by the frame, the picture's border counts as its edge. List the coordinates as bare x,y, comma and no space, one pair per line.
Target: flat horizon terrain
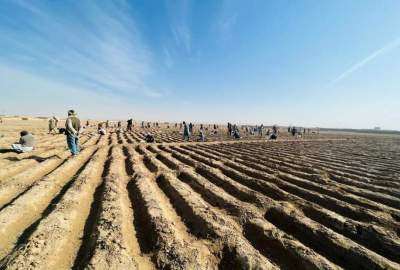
328,200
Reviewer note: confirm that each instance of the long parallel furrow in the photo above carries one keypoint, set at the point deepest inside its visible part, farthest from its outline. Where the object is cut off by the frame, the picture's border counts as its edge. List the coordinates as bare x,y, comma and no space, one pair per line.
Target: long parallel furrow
385,243
349,194
328,202
115,244
345,208
204,221
166,236
280,248
28,207
324,201
19,164
15,186
55,242
296,165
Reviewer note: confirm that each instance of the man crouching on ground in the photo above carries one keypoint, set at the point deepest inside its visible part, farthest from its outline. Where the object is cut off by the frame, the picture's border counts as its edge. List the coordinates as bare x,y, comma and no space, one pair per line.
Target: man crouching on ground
72,128
25,144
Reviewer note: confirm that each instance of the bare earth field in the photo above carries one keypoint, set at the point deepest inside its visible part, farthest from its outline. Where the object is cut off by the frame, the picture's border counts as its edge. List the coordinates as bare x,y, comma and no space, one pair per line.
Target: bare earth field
326,201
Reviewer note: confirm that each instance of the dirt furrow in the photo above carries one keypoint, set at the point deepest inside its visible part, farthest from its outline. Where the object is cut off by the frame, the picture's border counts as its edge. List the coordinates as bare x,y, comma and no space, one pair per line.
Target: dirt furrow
331,203
325,241
204,221
18,164
116,244
11,188
56,240
166,235
27,208
274,244
378,239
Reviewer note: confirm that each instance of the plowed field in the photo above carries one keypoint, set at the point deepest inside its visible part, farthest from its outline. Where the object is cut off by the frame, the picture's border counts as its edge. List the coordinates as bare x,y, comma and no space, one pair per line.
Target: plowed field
323,202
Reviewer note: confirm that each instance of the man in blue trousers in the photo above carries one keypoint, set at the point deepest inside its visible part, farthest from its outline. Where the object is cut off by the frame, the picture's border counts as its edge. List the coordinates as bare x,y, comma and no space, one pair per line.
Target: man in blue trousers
72,127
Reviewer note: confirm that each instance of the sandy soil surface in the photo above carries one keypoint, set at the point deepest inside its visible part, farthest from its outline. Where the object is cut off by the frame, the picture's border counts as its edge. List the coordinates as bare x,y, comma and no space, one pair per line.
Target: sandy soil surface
324,201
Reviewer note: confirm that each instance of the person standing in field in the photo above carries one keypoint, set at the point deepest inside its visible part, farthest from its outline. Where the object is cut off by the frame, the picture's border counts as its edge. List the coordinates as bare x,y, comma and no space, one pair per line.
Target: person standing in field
72,128
52,125
190,127
26,143
294,131
186,132
129,126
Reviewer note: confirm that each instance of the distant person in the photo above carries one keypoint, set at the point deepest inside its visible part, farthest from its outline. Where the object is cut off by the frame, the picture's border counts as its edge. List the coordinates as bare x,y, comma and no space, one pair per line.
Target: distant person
236,134
107,124
119,124
101,130
234,128
72,128
229,129
87,123
129,124
294,131
186,132
260,130
202,136
52,125
150,138
190,127
26,143
274,134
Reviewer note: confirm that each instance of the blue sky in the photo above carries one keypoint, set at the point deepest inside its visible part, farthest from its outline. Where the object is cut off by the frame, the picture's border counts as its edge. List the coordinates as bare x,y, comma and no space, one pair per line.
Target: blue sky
308,63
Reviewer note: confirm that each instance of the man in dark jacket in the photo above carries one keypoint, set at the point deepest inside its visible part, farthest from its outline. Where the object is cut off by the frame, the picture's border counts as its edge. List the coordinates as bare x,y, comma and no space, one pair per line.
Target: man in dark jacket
129,126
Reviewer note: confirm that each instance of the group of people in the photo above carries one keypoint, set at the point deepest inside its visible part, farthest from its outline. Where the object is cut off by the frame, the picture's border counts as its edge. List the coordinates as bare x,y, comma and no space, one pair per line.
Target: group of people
188,130
298,132
233,131
72,128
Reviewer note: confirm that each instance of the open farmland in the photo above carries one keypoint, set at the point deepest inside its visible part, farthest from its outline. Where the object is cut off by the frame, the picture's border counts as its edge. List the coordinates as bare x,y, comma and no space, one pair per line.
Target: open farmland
327,201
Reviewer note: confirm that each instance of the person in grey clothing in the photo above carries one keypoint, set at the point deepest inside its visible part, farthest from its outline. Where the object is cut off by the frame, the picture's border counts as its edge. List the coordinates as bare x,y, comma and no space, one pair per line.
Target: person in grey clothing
186,131
26,143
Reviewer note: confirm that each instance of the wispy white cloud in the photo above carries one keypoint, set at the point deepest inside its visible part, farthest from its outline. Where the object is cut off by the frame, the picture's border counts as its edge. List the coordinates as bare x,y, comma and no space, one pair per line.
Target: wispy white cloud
91,44
179,15
385,49
168,60
227,19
